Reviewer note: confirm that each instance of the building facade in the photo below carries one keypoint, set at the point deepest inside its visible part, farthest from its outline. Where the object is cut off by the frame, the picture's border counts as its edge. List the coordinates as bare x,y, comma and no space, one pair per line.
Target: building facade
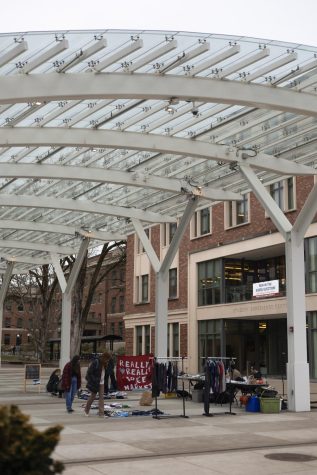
218,305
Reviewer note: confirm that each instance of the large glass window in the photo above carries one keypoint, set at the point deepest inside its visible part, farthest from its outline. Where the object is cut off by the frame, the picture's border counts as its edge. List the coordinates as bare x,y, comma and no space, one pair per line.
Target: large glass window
209,280
209,341
231,280
241,274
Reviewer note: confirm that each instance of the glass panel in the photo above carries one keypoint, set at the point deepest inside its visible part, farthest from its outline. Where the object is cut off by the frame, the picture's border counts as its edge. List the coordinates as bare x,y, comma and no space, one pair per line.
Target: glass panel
147,342
175,339
172,231
209,279
138,340
205,221
145,288
172,283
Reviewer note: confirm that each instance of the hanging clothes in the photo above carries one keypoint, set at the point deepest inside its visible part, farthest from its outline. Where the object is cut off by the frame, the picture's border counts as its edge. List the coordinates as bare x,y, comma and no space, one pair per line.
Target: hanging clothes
164,377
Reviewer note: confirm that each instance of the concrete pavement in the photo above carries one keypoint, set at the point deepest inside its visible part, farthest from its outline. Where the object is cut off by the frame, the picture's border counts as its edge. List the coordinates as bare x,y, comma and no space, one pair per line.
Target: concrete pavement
222,444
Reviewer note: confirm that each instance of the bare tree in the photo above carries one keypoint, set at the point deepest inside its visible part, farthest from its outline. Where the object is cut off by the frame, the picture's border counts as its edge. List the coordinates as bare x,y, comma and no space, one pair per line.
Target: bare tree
111,256
35,292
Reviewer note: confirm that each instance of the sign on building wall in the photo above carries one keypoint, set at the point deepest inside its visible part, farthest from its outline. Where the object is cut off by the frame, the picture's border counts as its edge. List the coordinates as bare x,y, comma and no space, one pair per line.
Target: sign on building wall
134,372
265,289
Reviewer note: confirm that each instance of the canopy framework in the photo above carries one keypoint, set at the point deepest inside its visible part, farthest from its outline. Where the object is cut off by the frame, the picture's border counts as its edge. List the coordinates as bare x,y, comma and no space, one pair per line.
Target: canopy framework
100,130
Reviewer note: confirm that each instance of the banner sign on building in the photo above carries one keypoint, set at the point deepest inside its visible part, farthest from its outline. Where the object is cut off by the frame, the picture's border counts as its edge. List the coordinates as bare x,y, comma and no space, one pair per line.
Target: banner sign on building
265,289
134,372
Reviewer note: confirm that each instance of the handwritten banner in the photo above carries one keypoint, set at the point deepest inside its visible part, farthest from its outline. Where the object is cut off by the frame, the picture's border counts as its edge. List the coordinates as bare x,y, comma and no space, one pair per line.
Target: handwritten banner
134,372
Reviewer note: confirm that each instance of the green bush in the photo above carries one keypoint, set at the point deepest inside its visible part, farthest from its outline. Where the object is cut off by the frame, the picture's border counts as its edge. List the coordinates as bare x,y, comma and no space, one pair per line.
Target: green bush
23,449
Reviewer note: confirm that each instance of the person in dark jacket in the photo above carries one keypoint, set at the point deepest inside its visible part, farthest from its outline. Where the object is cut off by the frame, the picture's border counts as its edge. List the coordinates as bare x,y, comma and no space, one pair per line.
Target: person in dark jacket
53,385
110,374
95,381
71,381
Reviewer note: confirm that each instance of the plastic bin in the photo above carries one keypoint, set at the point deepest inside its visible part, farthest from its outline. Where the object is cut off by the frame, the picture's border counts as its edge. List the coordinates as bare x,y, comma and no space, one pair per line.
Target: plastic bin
197,395
270,405
253,404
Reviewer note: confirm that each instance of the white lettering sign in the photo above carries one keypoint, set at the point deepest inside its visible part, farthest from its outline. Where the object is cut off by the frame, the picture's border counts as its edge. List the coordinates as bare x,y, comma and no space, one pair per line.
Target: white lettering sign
263,289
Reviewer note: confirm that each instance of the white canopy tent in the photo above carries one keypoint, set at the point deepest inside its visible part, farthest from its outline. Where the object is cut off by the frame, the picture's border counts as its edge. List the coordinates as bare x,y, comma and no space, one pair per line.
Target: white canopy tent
103,133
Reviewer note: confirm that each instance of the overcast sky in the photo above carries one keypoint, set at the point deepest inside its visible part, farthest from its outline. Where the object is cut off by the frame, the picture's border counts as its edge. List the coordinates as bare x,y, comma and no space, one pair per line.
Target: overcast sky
288,20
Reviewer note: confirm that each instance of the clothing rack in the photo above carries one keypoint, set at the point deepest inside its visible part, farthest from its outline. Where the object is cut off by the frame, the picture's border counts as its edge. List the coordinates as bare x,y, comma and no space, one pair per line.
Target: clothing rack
171,359
206,402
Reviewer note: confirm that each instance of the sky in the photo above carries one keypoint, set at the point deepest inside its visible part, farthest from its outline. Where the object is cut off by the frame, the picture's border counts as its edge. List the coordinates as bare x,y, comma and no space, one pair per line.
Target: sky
285,20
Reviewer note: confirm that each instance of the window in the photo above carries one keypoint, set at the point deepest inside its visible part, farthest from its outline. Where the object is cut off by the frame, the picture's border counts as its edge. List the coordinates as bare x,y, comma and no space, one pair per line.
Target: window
121,303
208,339
173,339
283,193
120,328
209,279
172,231
237,212
113,278
7,323
145,288
168,231
142,289
143,339
20,307
112,328
311,264
172,293
8,306
139,245
113,304
201,223
19,323
7,340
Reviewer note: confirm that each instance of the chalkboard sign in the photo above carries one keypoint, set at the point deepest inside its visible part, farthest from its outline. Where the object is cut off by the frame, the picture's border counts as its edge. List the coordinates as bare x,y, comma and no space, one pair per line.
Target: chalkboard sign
32,371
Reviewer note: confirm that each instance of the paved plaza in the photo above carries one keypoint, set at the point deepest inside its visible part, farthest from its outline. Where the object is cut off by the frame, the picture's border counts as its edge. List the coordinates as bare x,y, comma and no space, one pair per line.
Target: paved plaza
222,444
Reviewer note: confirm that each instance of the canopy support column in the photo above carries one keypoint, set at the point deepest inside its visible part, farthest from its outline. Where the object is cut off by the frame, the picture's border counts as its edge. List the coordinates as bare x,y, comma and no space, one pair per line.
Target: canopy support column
162,281
3,292
298,386
67,305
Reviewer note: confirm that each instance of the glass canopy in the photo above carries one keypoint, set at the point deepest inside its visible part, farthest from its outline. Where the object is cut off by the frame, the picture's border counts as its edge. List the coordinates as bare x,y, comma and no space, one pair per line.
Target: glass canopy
99,127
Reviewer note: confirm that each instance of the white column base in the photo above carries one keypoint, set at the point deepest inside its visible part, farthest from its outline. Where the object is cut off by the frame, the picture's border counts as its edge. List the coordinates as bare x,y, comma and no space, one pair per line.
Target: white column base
298,395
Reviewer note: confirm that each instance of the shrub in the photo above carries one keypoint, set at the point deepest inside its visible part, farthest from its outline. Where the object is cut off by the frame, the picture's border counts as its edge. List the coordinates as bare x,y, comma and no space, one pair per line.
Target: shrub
23,449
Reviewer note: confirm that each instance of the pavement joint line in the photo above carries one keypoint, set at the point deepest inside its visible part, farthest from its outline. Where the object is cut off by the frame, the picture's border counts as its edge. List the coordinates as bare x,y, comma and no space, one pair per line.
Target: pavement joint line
126,458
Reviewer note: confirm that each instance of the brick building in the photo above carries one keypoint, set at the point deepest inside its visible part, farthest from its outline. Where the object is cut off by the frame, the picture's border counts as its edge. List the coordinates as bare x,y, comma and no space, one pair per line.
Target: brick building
227,249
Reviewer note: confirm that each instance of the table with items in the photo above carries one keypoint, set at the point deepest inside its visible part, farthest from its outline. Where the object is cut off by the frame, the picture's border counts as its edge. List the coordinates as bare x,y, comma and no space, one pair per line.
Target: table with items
246,388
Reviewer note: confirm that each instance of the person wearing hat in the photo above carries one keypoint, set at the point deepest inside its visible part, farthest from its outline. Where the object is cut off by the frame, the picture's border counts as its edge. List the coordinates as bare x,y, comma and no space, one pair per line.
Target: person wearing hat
95,382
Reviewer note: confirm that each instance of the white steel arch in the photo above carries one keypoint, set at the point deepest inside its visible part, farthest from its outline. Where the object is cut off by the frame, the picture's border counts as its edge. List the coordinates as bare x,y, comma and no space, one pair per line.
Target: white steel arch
100,175
84,206
22,136
65,250
59,228
71,86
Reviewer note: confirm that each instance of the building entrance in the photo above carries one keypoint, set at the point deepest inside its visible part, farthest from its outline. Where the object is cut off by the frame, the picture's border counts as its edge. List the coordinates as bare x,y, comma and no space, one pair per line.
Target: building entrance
258,343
